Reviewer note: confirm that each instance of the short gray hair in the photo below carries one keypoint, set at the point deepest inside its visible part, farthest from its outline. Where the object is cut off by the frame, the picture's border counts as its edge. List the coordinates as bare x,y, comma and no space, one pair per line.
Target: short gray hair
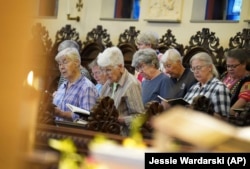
147,56
92,64
71,53
207,59
68,44
111,56
172,55
148,38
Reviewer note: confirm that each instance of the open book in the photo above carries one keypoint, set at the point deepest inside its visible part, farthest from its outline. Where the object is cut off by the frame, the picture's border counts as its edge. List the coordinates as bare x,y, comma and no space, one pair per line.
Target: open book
173,102
77,110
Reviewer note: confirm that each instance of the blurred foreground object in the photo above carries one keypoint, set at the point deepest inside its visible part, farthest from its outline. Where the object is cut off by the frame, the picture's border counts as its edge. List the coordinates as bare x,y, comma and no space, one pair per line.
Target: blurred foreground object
128,155
198,131
17,107
69,159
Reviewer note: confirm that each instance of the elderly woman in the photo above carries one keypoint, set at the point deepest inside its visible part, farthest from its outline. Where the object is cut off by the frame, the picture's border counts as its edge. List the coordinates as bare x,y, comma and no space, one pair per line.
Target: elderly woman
237,77
148,39
208,84
155,82
99,75
71,44
76,90
122,86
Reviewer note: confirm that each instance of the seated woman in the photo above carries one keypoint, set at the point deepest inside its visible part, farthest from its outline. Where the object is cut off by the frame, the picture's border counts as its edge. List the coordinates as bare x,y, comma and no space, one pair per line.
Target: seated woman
99,75
76,90
71,44
121,86
155,82
148,39
208,84
237,78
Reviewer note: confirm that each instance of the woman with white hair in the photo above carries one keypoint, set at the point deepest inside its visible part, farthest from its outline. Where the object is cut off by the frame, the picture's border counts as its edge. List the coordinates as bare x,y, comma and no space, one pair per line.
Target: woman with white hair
122,86
71,44
77,90
208,84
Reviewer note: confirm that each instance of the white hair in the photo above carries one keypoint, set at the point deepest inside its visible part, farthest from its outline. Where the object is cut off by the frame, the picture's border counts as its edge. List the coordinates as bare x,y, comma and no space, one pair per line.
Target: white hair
111,56
71,53
172,55
68,44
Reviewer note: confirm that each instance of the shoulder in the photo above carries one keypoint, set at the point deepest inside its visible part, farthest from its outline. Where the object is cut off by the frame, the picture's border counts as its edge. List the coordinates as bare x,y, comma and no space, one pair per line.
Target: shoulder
215,81
164,76
85,82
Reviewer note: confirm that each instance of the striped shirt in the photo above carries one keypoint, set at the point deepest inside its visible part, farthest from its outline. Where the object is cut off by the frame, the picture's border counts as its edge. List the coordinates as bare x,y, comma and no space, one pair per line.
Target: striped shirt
216,91
82,94
127,96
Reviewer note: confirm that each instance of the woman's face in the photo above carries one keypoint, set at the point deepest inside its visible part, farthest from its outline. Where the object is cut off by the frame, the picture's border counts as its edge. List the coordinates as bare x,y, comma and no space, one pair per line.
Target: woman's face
143,46
99,75
202,71
68,67
146,70
235,69
113,73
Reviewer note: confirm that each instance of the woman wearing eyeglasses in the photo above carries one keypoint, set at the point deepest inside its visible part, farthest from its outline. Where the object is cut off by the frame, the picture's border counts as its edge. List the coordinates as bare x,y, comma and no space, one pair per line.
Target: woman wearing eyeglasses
208,84
237,77
76,90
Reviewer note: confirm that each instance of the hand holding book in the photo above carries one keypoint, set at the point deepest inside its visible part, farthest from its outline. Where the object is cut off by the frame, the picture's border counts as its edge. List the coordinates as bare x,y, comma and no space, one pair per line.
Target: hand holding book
173,102
77,110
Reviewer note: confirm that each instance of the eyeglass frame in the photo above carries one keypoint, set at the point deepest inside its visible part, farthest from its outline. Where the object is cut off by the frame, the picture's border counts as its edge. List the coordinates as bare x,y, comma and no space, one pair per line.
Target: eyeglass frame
198,68
97,73
140,67
233,66
63,62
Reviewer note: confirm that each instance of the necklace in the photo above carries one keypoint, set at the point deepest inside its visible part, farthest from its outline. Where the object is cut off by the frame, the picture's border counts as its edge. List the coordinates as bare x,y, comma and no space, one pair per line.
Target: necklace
230,82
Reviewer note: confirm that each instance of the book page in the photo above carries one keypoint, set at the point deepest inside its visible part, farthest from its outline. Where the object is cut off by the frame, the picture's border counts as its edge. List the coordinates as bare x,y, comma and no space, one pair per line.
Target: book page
75,109
177,101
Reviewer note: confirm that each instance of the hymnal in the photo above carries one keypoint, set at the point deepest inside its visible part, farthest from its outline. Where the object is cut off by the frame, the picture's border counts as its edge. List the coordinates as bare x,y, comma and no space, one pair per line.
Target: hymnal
173,102
77,110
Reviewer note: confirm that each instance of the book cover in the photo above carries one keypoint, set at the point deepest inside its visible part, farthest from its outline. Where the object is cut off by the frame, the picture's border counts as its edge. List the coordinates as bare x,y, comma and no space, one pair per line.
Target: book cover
77,110
173,102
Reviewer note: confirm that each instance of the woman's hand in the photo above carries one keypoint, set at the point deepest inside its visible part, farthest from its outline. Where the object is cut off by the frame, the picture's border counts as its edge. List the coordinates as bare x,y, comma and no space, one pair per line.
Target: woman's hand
58,112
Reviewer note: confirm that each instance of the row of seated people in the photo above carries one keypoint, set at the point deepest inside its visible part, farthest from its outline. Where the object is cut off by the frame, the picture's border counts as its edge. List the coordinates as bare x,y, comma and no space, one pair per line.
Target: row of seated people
130,96
105,113
98,39
151,44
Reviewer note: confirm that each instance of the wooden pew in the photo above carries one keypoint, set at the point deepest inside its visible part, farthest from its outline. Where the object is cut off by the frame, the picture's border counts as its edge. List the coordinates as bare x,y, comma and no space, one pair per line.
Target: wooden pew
168,41
128,46
205,41
96,41
240,40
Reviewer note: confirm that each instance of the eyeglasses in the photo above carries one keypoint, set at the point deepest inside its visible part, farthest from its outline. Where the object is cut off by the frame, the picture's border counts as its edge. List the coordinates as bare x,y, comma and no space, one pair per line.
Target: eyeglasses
232,66
108,69
63,62
198,68
167,65
140,67
97,73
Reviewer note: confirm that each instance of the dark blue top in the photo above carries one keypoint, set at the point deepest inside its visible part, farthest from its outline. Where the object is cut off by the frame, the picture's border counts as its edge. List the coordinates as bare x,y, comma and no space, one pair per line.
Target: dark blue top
181,85
160,85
